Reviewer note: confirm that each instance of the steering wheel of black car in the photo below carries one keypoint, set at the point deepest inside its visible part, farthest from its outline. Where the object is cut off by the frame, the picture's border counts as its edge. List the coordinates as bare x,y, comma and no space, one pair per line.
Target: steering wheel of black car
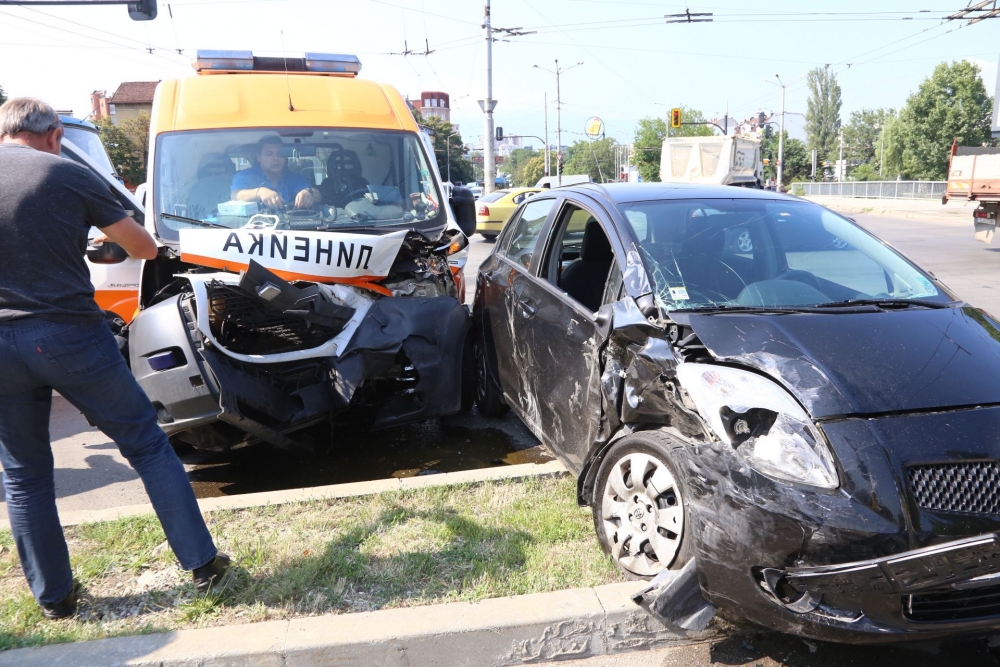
800,277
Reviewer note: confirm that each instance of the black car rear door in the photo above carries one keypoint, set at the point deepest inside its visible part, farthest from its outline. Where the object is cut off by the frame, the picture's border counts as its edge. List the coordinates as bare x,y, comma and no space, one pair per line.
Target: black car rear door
501,276
556,341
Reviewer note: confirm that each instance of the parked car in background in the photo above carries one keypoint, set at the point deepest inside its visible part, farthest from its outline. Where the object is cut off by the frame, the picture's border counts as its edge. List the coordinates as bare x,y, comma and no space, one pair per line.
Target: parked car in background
493,209
477,191
814,433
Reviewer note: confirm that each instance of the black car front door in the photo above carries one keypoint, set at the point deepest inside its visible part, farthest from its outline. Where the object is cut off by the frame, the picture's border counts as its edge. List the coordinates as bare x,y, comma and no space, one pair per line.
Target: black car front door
555,338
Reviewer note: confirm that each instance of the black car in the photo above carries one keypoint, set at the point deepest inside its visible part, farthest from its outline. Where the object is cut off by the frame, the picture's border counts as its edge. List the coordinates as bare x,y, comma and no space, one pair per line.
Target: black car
817,431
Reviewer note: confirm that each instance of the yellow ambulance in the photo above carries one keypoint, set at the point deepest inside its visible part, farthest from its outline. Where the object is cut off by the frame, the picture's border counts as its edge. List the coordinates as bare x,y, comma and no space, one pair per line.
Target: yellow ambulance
311,260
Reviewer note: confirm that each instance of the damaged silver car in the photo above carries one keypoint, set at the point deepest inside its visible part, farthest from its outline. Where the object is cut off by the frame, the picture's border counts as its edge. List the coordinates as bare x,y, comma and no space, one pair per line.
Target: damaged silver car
800,430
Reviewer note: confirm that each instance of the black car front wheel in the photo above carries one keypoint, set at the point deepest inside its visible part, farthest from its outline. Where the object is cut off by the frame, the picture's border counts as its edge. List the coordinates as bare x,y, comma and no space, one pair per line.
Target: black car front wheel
639,511
489,398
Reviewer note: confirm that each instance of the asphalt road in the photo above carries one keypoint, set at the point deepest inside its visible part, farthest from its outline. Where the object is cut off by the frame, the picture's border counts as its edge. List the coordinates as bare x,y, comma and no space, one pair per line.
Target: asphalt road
91,474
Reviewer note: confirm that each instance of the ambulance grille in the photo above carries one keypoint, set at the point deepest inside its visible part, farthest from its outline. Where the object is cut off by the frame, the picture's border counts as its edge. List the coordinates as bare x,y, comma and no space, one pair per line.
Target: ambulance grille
245,324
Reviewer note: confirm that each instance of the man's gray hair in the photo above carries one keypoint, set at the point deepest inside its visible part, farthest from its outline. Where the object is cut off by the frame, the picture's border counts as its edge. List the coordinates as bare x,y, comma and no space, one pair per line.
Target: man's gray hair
27,114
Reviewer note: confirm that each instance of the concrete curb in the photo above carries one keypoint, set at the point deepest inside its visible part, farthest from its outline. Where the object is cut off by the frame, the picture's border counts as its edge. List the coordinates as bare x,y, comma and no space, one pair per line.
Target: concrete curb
550,469
577,623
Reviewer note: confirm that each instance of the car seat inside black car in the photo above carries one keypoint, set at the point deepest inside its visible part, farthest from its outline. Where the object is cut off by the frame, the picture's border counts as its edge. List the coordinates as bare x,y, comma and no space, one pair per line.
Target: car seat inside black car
583,278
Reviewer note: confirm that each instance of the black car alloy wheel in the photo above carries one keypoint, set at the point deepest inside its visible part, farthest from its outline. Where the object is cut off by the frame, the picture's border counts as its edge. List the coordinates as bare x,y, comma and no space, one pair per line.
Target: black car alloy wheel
639,511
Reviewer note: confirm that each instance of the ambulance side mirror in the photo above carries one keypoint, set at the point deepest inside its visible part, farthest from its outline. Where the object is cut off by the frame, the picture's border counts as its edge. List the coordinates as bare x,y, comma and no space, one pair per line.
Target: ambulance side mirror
106,253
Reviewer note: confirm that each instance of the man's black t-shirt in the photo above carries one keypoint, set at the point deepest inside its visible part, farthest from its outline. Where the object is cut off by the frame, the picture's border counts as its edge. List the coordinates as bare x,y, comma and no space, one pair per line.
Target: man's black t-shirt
47,206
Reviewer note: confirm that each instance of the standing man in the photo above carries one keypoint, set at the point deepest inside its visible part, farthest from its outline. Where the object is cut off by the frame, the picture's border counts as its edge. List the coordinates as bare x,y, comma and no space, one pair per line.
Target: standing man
53,336
269,183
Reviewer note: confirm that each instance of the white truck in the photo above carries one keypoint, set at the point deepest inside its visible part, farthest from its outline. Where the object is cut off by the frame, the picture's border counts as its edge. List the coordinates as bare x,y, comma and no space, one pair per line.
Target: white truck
718,160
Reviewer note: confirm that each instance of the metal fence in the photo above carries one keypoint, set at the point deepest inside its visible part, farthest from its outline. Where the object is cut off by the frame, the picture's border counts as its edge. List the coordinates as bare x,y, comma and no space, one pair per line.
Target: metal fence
874,189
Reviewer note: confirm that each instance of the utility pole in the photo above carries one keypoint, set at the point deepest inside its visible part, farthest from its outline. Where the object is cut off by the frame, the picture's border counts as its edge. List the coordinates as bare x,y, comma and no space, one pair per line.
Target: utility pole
841,167
548,172
488,165
558,72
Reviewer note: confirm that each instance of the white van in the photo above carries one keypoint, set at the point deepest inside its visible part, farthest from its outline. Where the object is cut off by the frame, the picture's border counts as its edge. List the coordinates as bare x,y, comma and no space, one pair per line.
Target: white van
567,179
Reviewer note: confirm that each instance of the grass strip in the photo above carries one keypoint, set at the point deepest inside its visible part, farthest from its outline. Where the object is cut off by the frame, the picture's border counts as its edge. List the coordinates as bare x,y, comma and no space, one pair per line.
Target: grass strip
398,549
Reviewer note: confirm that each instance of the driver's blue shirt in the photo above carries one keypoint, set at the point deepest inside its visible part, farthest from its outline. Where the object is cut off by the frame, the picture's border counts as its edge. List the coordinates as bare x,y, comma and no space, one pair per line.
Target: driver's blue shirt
289,185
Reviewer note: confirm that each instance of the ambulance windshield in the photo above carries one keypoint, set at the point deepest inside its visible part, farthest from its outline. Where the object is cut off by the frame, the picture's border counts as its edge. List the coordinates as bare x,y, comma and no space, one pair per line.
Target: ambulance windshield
293,178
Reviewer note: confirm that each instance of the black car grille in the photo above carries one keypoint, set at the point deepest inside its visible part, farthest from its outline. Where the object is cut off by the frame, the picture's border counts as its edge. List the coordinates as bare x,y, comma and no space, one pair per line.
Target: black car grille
245,324
964,605
970,487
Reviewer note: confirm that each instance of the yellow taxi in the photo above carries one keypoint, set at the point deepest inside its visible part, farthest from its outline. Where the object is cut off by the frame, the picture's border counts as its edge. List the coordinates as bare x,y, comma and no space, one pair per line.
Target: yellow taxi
492,210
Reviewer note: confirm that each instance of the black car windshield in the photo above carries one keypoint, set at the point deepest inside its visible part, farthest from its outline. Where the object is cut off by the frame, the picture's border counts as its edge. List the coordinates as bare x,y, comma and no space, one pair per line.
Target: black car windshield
750,253
293,178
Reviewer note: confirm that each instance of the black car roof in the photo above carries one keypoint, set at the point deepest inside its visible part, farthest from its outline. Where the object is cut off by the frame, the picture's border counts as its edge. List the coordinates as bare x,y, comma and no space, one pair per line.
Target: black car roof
622,193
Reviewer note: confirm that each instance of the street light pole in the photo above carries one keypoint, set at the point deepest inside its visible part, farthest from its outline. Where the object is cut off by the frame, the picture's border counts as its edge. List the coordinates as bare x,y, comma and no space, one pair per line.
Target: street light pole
547,171
488,166
558,72
781,125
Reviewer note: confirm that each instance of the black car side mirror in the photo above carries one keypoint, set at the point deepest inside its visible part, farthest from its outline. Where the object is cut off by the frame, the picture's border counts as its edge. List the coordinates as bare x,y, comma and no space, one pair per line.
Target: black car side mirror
106,253
463,204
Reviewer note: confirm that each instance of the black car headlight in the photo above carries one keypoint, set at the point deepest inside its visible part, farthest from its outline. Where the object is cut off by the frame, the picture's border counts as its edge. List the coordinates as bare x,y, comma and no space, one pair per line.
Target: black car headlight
766,426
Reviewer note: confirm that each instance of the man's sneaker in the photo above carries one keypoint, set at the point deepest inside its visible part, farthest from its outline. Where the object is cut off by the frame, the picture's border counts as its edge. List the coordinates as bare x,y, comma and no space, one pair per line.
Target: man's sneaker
62,609
207,576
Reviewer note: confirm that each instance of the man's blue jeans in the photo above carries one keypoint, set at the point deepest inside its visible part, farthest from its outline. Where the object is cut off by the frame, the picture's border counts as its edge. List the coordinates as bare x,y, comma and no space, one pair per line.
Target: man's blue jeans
82,362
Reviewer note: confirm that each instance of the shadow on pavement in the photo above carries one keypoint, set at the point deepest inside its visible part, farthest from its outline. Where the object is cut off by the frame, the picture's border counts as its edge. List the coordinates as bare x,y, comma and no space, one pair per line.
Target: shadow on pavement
789,651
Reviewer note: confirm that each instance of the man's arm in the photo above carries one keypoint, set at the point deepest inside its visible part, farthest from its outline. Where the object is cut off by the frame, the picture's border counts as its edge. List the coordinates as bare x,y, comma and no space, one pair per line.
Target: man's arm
130,235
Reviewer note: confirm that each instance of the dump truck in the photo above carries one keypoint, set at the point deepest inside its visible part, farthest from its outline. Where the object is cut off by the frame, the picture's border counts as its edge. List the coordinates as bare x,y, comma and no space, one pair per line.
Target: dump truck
974,175
725,160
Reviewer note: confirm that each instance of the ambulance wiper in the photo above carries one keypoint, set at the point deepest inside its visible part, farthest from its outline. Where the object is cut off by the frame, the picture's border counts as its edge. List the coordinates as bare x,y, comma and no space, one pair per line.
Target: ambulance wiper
192,221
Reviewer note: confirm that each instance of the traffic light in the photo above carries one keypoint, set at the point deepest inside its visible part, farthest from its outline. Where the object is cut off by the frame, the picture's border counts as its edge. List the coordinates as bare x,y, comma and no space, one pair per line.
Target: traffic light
767,132
675,118
761,119
499,134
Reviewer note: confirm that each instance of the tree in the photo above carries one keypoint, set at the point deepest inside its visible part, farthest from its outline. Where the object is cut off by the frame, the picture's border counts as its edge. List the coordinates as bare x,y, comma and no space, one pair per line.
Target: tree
3,95
823,112
647,144
798,159
124,154
517,161
861,136
137,131
951,104
461,168
533,170
594,158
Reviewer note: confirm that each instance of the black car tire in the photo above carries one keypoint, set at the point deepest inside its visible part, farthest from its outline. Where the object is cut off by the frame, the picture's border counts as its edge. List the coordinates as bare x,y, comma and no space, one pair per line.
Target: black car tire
490,237
670,504
489,398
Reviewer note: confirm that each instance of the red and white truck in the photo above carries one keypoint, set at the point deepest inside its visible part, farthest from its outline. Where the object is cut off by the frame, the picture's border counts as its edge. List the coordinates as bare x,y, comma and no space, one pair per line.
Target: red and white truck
974,174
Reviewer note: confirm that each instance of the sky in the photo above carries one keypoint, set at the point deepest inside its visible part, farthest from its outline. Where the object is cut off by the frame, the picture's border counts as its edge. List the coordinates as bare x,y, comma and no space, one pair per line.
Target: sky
634,63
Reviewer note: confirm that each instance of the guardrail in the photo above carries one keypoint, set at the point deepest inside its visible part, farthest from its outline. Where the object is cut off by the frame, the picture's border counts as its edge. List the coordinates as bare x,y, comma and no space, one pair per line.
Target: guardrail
874,189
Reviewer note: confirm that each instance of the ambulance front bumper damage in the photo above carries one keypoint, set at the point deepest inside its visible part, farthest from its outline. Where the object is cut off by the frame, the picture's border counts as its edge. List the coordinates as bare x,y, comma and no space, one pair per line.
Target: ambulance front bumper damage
234,361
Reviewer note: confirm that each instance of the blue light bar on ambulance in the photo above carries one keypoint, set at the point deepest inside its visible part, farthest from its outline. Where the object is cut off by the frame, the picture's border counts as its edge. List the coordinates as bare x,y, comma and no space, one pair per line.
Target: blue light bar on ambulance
246,61
225,60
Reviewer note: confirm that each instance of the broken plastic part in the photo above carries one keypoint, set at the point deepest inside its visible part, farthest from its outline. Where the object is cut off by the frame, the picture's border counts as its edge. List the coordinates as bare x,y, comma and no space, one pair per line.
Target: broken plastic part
674,598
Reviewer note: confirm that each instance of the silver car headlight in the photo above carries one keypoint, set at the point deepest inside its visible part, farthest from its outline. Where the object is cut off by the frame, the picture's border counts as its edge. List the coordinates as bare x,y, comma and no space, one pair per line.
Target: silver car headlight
766,426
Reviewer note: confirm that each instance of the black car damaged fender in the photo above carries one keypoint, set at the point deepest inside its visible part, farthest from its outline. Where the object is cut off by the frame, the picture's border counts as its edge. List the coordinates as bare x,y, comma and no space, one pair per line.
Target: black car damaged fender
879,522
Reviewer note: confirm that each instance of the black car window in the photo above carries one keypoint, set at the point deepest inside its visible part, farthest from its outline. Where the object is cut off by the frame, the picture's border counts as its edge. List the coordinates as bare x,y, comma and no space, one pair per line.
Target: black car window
522,238
774,253
580,256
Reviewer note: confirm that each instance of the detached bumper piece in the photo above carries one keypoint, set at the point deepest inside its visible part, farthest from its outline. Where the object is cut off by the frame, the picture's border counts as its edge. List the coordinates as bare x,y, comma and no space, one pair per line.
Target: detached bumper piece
945,582
674,598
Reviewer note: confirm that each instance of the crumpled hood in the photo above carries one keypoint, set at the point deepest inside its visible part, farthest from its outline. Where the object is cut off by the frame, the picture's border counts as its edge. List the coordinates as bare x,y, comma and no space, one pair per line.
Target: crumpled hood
866,363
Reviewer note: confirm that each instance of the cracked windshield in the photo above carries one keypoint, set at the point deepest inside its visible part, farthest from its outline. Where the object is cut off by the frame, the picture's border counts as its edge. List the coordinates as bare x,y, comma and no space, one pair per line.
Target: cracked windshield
706,254
293,178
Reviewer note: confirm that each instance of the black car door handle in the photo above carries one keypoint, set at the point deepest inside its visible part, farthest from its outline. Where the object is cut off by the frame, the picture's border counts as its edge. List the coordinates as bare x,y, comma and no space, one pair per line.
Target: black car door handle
527,307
